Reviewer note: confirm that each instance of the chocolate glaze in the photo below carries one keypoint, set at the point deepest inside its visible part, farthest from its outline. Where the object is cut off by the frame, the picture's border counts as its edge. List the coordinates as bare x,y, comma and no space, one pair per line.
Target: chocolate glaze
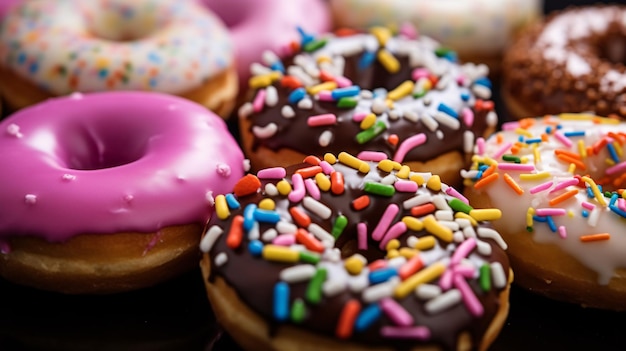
254,278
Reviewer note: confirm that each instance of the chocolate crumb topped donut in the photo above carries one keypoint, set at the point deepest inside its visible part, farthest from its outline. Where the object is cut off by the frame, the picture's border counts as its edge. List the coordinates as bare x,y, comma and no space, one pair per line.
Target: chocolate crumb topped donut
350,253
575,61
397,93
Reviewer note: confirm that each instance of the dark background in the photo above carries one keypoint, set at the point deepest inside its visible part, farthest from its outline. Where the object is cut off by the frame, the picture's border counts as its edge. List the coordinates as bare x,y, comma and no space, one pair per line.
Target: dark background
177,316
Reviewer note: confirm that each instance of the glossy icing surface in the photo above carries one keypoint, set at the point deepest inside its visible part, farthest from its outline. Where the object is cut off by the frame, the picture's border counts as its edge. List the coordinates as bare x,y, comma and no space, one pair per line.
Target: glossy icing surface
140,162
68,45
595,147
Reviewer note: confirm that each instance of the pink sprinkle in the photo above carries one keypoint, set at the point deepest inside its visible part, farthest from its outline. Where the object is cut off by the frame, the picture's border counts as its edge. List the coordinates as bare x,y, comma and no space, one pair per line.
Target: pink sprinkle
510,125
420,73
472,303
322,120
541,187
405,186
327,168
463,250
395,231
453,192
502,150
461,80
588,205
550,212
408,144
621,204
618,168
284,240
374,156
259,101
396,313
359,116
562,138
361,232
445,281
343,82
562,232
312,188
564,184
272,173
516,167
468,116
408,30
480,144
464,270
417,333
298,192
385,221
325,95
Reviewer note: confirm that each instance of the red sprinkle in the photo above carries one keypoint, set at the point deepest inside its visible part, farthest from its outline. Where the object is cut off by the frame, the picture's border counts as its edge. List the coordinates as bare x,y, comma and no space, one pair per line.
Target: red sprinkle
309,241
309,172
336,183
247,185
410,267
423,210
300,217
235,234
312,160
361,202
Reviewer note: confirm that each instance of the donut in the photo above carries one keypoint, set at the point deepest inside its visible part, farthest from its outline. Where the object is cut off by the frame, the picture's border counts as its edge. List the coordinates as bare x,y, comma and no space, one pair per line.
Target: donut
347,253
377,91
479,30
572,62
559,183
259,26
54,48
109,192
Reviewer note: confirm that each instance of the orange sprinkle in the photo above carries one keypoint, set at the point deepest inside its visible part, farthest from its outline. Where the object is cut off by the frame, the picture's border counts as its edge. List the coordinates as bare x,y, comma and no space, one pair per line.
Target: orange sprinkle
489,170
568,153
294,46
566,158
595,237
235,234
544,137
423,210
563,197
290,82
247,185
299,216
511,182
486,180
347,317
617,137
325,76
410,267
309,172
526,123
515,149
361,202
499,138
378,264
309,241
345,32
393,139
312,160
599,145
336,183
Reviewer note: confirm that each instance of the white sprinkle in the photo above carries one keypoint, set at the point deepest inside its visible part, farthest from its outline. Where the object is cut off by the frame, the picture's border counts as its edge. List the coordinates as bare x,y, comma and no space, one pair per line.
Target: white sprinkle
333,287
443,301
458,237
317,207
429,122
257,69
469,232
447,120
299,73
463,222
446,216
30,199
379,106
339,63
358,283
416,201
271,96
443,82
298,273
440,203
389,179
209,198
469,174
271,190
481,91
366,94
427,100
492,119
68,177
246,165
265,132
286,228
254,233
325,237
14,130
411,116
221,259
325,138
305,104
394,115
246,110
333,255
468,141
287,111
210,237
497,275
427,291
412,241
483,248
439,134
380,291
269,235
454,226
223,169
269,57
594,217
396,262
493,235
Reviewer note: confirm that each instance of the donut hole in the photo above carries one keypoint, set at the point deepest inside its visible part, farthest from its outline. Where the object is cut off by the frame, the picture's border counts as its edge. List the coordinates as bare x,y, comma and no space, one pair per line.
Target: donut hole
124,22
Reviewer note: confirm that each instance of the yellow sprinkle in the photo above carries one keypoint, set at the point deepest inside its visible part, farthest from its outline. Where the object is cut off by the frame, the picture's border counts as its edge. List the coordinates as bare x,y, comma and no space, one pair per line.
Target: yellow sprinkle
330,158
404,172
571,168
413,223
577,116
604,120
386,166
280,254
423,84
391,64
353,162
426,275
221,207
425,243
434,183
524,132
466,216
432,226
392,254
524,159
595,190
368,121
467,182
324,58
322,181
534,176
536,153
354,265
389,103
393,244
267,204
570,214
260,81
401,90
323,86
529,216
609,162
582,149
419,179
407,252
618,148
102,62
284,188
488,214
486,160
382,34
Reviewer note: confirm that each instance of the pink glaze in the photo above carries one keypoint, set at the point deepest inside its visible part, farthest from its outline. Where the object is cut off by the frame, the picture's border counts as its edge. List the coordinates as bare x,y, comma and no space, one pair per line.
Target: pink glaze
6,5
111,162
259,25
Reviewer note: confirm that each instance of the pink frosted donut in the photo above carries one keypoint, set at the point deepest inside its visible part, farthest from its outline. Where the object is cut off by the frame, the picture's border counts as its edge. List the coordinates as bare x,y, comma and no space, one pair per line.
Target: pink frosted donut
258,26
5,5
143,164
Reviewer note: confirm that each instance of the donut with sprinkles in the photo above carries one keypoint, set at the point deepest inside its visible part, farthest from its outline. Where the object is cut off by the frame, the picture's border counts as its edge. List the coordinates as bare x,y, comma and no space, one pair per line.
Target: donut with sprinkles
354,252
400,93
559,182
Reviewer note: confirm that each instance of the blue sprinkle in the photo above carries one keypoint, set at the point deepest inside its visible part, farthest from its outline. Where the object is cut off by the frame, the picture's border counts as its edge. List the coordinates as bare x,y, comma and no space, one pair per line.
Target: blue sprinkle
465,96
613,201
618,211
345,92
305,37
479,175
366,59
447,109
451,56
533,141
590,193
520,138
296,95
482,168
382,275
232,201
558,126
248,217
574,134
277,66
551,224
612,152
368,316
484,81
103,73
281,301
154,57
21,58
549,130
255,247
541,219
266,216
33,67
585,213
153,82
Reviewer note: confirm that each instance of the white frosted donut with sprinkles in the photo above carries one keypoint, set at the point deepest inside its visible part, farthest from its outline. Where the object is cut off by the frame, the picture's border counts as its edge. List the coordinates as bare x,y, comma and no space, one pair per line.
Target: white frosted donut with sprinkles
355,253
559,182
53,48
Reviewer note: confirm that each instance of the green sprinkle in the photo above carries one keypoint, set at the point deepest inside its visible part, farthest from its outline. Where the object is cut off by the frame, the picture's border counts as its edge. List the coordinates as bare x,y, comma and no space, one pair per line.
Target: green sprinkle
511,158
347,102
460,206
339,226
371,133
309,257
420,93
298,310
529,229
313,292
485,277
442,51
379,189
314,45
608,194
